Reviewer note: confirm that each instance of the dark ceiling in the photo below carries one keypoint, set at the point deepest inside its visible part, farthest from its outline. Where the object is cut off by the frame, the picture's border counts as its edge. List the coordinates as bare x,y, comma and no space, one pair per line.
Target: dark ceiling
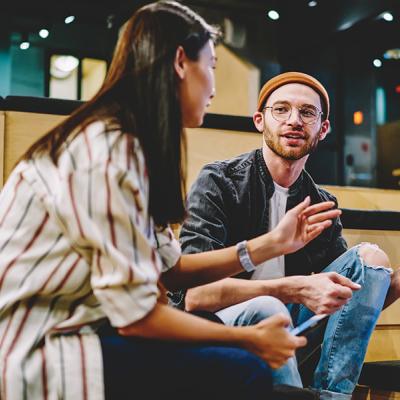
327,17
299,30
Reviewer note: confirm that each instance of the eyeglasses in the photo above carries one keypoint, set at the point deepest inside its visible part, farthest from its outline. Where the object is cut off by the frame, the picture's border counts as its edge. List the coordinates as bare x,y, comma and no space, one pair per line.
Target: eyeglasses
283,111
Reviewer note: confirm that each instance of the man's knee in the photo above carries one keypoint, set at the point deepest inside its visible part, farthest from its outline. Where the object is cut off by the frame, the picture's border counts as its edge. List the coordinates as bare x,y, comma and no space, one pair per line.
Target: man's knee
372,254
266,306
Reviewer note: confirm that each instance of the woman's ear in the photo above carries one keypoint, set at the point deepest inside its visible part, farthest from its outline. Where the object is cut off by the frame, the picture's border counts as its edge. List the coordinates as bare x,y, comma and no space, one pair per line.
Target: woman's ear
180,62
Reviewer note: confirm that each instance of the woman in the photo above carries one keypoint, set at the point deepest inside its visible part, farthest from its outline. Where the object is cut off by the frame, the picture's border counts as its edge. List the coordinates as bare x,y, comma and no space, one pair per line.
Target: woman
85,240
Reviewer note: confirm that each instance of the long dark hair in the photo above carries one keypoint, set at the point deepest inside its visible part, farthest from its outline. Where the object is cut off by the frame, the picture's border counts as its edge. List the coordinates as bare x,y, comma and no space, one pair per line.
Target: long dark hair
140,97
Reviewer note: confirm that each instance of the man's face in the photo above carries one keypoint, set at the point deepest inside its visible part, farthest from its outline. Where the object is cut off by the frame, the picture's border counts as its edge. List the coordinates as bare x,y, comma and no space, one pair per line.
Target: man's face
292,139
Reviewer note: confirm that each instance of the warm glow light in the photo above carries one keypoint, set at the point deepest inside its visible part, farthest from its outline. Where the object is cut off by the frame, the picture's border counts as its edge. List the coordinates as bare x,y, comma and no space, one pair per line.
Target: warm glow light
358,117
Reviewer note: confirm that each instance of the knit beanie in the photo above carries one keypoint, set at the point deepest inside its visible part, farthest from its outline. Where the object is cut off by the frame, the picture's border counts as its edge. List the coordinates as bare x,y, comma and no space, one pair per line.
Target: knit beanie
293,77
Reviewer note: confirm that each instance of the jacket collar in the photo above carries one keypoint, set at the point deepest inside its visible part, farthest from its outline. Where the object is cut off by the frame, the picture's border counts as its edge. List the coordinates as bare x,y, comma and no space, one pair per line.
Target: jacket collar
266,177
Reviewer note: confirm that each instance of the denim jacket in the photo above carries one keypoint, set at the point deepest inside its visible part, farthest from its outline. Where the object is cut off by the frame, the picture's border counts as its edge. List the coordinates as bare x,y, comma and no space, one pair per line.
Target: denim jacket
229,202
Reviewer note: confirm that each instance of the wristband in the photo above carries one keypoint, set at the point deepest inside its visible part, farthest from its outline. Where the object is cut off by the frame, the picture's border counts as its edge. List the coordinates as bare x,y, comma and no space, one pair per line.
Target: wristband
244,257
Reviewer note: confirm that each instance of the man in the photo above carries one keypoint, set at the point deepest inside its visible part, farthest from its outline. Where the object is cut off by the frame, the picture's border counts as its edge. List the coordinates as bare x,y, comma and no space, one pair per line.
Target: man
238,199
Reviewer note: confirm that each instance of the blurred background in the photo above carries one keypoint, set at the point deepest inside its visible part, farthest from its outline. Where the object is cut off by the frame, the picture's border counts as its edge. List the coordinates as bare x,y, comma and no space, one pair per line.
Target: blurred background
62,50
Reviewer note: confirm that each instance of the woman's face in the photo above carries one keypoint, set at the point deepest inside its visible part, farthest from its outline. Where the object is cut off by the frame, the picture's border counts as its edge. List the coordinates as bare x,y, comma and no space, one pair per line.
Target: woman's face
197,85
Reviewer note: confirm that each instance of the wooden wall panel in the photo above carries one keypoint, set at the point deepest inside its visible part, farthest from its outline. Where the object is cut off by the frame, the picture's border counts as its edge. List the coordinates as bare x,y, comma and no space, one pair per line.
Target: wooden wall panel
208,145
21,130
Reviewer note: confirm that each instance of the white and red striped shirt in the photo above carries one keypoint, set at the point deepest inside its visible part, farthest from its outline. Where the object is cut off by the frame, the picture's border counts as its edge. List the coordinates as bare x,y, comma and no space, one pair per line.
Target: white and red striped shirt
77,245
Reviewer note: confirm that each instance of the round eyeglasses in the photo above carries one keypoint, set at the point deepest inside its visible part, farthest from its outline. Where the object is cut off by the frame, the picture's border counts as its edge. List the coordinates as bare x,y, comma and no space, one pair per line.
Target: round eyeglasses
282,112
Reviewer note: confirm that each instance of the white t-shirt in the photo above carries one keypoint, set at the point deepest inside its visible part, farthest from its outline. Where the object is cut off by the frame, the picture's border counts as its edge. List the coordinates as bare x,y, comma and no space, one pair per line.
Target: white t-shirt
274,268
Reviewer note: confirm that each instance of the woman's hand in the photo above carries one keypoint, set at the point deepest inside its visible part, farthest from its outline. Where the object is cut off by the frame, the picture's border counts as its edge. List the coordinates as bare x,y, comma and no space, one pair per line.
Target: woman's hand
304,223
271,341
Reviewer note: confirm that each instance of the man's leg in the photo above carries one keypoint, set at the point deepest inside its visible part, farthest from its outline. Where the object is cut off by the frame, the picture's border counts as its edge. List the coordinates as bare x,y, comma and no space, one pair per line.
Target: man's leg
348,330
251,312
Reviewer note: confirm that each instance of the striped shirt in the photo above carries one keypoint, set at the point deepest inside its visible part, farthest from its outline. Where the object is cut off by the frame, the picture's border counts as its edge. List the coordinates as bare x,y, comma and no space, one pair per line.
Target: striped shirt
77,246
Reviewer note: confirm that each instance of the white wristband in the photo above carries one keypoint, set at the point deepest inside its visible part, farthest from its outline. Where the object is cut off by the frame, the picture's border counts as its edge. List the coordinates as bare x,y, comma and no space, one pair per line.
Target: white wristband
244,257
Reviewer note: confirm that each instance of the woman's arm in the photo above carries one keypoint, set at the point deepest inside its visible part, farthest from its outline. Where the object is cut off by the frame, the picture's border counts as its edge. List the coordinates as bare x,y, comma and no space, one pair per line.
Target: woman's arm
269,339
299,226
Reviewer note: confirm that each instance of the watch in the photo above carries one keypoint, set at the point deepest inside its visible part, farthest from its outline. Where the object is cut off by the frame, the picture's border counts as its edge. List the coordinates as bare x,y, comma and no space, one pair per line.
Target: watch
244,256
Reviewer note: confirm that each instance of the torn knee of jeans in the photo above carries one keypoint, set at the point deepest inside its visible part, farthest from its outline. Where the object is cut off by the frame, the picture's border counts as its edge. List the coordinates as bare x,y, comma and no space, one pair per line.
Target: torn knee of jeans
371,255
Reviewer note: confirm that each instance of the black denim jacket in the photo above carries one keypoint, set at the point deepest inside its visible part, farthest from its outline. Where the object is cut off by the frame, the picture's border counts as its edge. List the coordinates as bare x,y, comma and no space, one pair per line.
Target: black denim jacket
229,202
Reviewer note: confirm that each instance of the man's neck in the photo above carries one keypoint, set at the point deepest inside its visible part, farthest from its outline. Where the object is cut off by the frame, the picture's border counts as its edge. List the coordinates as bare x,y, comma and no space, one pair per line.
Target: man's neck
283,172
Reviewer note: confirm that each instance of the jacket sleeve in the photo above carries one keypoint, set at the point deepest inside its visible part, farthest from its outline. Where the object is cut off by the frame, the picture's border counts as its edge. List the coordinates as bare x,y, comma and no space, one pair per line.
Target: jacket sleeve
206,226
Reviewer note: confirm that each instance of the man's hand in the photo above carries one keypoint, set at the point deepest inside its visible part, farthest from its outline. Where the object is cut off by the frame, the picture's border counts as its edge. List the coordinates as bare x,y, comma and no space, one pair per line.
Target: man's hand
271,341
326,292
304,223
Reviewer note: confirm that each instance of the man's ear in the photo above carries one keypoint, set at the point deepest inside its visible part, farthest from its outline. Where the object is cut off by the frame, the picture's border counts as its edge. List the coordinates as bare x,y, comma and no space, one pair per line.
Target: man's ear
258,119
324,129
180,62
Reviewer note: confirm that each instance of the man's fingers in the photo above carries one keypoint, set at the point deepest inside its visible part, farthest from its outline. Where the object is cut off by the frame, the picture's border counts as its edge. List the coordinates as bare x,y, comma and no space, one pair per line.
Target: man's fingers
315,230
342,280
320,226
343,292
301,207
316,208
323,216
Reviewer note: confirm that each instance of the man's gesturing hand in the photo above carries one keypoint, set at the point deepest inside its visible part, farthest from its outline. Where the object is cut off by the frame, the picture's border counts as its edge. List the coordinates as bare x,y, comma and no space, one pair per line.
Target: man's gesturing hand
304,223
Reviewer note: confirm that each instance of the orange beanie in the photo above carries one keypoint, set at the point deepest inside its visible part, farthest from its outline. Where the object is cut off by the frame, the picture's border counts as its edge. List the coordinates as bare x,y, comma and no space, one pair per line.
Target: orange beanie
293,77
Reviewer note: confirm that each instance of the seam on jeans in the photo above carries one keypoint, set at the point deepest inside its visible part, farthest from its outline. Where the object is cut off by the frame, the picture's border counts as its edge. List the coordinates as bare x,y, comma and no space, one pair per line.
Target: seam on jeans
340,323
345,307
347,267
333,345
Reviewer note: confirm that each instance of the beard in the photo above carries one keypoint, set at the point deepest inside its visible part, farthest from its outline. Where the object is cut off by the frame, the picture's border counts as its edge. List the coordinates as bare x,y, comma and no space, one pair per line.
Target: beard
295,153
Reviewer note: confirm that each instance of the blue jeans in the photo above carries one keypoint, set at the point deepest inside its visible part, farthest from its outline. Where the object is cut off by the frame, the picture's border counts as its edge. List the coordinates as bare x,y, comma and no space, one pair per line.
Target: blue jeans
150,369
347,332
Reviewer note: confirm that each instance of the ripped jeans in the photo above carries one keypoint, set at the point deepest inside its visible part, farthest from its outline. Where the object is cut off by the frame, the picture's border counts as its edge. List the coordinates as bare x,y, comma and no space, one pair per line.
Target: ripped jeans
347,333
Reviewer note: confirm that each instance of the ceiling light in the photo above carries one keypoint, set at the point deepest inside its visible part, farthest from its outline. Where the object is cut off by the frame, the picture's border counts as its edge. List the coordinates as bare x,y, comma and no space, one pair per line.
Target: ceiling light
24,45
44,33
69,19
274,15
377,63
312,3
387,16
345,26
110,21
